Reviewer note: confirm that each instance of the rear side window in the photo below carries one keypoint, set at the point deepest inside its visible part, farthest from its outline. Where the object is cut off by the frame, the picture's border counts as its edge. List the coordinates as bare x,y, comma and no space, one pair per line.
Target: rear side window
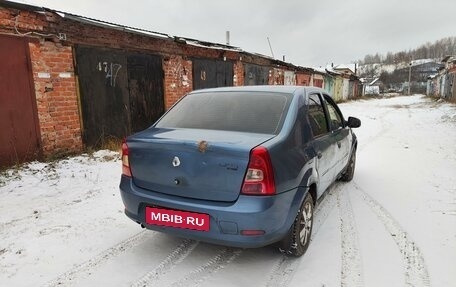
253,112
317,119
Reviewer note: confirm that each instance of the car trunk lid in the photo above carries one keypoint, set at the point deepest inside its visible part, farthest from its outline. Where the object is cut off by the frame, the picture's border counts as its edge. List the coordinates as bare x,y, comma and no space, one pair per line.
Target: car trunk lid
192,163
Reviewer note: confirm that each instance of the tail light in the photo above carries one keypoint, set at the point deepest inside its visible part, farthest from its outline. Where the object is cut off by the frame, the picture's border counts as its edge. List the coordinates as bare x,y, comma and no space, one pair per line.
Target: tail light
125,160
259,179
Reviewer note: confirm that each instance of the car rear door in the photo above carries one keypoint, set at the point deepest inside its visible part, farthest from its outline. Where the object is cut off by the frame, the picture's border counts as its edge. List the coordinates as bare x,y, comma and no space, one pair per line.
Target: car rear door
339,134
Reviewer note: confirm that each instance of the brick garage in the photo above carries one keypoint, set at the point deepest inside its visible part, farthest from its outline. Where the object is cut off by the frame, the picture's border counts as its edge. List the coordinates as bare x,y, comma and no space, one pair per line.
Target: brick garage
303,79
53,80
52,45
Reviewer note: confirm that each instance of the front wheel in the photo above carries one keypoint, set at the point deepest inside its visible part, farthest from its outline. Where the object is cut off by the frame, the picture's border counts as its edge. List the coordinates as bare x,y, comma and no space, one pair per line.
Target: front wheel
298,239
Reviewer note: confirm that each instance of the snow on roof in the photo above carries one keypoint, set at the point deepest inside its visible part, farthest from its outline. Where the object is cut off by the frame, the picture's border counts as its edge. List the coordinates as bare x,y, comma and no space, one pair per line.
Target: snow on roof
390,68
331,71
350,67
421,61
320,70
374,81
447,59
209,45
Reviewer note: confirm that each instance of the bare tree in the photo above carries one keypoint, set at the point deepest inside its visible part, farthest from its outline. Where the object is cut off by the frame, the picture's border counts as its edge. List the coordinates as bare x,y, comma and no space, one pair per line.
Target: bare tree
436,50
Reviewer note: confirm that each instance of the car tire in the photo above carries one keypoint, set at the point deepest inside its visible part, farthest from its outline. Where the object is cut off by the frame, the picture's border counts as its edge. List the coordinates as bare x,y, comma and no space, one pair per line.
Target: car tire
298,238
350,171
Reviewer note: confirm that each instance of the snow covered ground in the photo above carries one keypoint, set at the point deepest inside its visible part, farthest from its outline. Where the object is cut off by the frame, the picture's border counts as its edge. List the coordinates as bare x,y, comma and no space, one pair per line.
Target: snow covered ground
62,223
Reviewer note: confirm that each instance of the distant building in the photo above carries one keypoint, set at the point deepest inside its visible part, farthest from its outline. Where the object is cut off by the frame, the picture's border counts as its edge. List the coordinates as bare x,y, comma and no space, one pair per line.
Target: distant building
419,74
443,83
373,88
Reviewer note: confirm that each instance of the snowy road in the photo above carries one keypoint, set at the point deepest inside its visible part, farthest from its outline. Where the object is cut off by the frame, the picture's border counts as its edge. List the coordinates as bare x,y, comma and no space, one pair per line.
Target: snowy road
62,224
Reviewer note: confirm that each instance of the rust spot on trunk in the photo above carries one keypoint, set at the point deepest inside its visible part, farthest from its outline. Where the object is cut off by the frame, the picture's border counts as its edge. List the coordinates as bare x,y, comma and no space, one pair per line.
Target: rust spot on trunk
202,146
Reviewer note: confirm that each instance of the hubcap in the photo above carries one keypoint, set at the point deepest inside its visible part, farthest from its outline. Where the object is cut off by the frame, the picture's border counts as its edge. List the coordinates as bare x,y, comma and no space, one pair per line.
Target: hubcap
306,223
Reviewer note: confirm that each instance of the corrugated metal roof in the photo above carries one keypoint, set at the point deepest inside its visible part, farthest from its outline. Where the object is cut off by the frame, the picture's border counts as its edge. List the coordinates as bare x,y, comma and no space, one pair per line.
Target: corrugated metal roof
205,44
96,22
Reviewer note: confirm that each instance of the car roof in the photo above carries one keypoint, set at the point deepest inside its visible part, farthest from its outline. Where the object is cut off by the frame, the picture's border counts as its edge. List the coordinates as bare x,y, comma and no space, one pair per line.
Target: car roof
277,89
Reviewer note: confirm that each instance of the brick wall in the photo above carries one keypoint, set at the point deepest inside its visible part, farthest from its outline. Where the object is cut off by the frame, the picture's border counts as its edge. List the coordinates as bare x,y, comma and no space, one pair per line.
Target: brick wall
238,78
178,79
56,96
276,76
23,21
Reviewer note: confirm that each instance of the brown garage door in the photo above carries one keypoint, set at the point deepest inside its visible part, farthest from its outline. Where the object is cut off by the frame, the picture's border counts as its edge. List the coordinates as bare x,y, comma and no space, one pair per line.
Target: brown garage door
19,130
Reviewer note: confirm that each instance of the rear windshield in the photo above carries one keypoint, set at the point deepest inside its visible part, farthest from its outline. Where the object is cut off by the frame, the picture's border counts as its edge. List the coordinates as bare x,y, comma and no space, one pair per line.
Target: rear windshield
253,112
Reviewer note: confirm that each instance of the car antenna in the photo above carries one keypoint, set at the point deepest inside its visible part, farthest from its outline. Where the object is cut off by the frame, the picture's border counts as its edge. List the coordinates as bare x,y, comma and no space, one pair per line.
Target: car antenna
270,47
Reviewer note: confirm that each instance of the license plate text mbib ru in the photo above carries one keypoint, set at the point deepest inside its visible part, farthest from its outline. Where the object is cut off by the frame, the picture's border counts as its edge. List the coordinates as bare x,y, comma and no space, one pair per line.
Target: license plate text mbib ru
178,219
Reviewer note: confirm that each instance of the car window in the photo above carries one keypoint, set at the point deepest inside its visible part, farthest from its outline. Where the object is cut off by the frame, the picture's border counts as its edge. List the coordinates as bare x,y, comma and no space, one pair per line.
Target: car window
335,119
316,114
253,112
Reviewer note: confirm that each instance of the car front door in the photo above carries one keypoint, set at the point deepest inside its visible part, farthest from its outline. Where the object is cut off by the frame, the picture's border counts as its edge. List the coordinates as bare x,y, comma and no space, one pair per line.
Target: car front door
339,133
322,142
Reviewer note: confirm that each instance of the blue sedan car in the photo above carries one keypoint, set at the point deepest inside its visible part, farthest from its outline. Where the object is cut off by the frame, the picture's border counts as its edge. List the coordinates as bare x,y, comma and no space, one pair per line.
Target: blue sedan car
239,166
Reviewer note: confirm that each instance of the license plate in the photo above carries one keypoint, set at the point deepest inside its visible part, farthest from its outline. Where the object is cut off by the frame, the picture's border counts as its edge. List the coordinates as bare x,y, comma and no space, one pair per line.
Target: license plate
177,218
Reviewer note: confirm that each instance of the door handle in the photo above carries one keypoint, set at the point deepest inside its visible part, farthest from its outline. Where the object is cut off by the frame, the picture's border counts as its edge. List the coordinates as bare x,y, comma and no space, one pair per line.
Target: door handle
338,144
319,154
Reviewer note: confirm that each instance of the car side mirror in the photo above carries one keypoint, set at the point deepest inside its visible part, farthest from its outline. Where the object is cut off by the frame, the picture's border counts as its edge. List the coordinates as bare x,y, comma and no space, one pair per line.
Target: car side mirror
353,122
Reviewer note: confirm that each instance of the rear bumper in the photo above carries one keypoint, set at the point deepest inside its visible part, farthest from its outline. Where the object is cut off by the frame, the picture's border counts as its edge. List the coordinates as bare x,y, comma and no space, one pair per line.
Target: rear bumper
272,214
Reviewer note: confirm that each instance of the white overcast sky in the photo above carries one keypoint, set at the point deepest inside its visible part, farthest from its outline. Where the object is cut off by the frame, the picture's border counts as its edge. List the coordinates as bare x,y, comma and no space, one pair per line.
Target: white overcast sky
308,33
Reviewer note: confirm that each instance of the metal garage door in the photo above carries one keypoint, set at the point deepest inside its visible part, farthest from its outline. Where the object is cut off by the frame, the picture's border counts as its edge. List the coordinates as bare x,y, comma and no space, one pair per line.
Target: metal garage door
19,136
145,83
256,75
212,73
121,92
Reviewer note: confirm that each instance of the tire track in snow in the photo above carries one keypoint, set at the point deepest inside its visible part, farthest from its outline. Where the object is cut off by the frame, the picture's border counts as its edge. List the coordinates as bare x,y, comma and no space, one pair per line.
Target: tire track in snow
416,273
173,259
325,207
282,272
351,267
213,265
385,126
85,269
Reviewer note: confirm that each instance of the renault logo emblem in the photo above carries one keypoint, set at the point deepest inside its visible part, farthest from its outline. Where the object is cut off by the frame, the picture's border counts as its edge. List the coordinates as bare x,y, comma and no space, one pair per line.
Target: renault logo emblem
176,161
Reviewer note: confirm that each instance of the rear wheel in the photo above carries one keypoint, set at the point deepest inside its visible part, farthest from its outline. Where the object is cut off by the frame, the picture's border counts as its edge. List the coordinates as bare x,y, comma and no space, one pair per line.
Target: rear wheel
350,171
298,239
